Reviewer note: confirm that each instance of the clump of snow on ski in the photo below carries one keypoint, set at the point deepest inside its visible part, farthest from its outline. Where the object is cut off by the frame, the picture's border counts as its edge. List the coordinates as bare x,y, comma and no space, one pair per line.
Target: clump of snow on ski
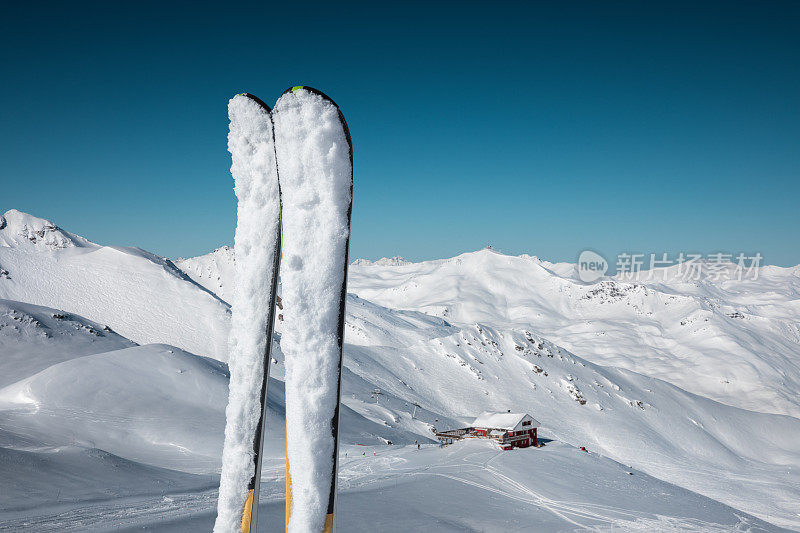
257,247
316,172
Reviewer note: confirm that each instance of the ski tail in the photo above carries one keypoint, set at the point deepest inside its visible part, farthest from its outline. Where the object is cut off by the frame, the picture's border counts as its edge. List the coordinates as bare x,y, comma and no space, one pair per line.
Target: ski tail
339,176
258,240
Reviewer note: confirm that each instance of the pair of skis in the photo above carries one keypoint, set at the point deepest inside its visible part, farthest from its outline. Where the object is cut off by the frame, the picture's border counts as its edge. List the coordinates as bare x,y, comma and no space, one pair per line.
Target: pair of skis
293,172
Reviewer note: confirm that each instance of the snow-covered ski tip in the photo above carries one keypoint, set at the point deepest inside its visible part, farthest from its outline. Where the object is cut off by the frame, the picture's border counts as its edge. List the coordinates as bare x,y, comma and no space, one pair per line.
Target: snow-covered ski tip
257,245
316,172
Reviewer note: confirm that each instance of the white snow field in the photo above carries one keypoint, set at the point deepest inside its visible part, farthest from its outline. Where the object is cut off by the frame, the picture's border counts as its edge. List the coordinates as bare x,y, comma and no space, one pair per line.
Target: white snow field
98,434
141,296
214,271
734,341
34,338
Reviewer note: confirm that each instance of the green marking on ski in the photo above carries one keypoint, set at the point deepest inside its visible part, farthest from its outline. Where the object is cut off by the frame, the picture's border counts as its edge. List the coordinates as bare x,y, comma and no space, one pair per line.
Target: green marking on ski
297,88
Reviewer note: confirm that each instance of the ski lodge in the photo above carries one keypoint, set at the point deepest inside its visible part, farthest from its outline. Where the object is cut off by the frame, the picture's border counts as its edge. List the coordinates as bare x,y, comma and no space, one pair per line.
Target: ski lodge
509,430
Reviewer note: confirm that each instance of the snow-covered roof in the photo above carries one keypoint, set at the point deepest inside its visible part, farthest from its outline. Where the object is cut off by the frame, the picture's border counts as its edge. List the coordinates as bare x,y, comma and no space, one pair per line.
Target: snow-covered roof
502,420
499,432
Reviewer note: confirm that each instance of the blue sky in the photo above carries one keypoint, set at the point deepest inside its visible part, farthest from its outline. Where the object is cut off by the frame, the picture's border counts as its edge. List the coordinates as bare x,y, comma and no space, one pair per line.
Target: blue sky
539,128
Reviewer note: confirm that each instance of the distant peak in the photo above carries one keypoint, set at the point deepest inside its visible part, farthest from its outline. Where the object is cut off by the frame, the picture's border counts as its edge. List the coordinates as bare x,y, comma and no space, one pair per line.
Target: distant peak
384,261
481,253
22,229
223,253
490,249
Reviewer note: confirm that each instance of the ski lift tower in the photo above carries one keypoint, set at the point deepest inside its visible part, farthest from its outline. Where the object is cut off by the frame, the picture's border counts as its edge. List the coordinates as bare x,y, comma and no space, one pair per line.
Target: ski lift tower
375,394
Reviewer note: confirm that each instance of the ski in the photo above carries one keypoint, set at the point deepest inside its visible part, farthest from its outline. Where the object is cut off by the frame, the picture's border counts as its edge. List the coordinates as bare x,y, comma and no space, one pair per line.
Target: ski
315,158
258,254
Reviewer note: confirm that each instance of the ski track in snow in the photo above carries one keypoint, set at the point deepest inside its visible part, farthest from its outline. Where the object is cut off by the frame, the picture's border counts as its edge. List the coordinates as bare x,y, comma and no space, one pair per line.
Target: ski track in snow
124,512
381,473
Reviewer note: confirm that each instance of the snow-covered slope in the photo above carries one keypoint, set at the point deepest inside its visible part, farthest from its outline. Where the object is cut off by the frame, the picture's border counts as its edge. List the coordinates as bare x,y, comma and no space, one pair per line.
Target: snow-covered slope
214,271
33,338
737,342
143,297
461,371
61,477
160,406
470,486
154,404
734,341
67,381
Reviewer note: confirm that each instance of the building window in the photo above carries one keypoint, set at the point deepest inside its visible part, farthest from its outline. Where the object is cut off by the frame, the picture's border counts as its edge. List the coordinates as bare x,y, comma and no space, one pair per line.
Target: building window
526,423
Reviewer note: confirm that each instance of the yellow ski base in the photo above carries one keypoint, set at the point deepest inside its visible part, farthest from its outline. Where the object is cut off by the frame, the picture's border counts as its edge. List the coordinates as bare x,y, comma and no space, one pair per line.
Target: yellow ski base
328,518
288,495
247,513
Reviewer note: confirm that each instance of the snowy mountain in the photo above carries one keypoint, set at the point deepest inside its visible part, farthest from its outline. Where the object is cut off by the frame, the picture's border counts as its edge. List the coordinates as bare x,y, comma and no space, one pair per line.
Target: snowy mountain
76,397
211,270
143,297
734,341
158,406
34,338
18,229
384,261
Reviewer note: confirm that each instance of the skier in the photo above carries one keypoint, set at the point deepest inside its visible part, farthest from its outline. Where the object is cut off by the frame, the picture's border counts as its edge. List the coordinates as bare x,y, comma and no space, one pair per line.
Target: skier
418,445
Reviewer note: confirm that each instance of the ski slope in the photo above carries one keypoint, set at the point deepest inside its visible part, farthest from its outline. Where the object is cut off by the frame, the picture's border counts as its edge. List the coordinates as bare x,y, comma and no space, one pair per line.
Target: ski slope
469,486
94,404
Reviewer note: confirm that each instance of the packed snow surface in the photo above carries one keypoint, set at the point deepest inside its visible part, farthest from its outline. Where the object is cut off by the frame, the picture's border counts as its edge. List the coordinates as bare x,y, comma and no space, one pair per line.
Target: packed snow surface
154,404
254,170
470,486
316,181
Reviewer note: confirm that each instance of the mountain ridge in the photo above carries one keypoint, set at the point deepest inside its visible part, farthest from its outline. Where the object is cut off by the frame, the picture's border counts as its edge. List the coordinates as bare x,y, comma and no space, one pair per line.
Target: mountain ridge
435,356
